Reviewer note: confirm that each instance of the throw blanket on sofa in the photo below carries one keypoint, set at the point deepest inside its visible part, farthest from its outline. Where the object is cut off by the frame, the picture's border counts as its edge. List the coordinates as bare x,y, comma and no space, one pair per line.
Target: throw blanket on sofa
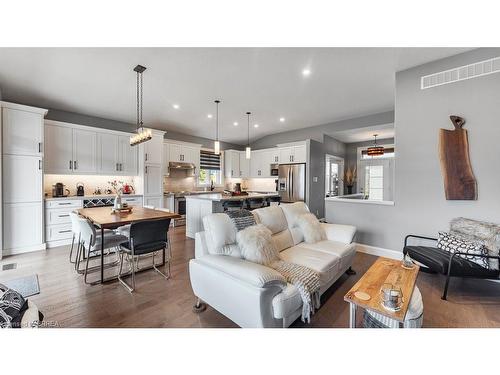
241,218
306,281
12,307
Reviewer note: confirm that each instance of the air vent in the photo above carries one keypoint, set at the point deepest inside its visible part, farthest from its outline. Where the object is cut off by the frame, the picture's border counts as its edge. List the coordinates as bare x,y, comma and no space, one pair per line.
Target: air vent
461,73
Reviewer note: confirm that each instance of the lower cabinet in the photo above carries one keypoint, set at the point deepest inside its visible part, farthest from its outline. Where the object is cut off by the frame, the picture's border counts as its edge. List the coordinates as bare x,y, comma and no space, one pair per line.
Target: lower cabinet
156,202
23,231
57,221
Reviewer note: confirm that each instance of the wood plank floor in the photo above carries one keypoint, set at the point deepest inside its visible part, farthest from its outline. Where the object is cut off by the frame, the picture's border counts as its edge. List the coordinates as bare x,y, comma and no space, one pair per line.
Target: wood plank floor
67,302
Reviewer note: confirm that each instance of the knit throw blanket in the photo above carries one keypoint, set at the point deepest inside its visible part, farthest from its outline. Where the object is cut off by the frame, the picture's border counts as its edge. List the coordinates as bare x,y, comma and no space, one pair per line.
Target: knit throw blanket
306,281
303,278
241,218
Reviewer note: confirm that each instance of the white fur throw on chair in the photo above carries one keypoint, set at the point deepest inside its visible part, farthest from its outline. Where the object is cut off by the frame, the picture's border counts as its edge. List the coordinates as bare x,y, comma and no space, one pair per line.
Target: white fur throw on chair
256,245
311,229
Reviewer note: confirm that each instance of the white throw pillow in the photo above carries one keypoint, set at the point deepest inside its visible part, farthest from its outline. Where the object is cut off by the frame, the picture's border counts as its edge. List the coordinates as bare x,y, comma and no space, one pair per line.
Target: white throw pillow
311,228
256,245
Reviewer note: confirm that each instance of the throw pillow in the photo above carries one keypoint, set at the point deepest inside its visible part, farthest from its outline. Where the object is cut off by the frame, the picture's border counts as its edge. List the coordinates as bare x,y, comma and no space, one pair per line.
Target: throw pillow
312,230
256,245
453,243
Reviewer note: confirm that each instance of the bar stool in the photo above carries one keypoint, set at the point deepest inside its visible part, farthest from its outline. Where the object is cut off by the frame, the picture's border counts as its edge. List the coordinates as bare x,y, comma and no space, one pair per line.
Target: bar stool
255,203
232,205
275,199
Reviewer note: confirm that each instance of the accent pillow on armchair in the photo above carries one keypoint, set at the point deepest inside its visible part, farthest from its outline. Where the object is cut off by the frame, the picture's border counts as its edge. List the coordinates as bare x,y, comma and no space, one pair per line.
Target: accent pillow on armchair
453,243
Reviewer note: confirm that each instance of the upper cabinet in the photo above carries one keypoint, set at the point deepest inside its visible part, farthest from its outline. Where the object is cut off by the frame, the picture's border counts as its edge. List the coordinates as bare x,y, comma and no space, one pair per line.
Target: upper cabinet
24,131
274,155
181,152
71,149
232,164
153,150
244,165
293,154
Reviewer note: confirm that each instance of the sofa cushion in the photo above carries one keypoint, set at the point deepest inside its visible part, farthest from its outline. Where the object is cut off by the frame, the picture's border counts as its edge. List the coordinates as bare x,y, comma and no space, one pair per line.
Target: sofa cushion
272,217
331,247
292,211
322,262
220,234
297,235
287,302
282,240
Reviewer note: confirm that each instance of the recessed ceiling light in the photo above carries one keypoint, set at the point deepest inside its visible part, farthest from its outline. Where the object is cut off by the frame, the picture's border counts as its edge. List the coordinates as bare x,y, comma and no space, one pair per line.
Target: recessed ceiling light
256,126
210,115
176,106
306,72
282,119
235,123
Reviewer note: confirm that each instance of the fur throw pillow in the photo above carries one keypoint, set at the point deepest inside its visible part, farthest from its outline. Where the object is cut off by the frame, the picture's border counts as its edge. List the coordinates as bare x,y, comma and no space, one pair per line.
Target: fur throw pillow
311,228
256,245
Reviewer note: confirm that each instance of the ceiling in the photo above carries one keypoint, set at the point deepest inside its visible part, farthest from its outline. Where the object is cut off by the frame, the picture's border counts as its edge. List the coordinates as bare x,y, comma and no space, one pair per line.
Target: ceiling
364,134
343,83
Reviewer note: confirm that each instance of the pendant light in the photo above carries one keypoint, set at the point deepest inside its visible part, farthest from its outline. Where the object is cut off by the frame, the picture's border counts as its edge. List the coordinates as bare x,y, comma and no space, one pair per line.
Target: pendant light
248,150
217,143
142,135
375,150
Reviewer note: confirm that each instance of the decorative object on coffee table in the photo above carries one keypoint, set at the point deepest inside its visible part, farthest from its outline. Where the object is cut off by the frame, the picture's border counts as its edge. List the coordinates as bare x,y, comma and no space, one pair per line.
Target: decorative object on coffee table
383,271
459,181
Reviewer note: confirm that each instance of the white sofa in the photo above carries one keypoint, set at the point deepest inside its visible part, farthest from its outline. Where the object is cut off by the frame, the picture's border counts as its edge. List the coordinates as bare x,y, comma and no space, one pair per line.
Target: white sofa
252,295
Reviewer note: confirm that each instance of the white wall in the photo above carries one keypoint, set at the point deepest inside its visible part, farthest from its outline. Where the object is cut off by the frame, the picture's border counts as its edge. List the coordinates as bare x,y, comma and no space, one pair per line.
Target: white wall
420,204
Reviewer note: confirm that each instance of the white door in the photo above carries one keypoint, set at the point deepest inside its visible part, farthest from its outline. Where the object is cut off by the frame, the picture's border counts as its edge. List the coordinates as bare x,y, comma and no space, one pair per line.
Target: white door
58,149
108,153
153,150
22,179
22,225
244,165
286,155
84,151
23,130
299,154
175,153
128,156
153,180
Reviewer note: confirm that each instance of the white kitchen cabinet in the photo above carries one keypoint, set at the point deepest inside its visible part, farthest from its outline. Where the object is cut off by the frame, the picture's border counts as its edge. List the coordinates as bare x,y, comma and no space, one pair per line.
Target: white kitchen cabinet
127,156
23,227
244,165
256,163
153,150
153,201
274,155
168,203
293,154
84,151
22,179
174,154
24,130
58,148
153,180
179,153
232,164
108,153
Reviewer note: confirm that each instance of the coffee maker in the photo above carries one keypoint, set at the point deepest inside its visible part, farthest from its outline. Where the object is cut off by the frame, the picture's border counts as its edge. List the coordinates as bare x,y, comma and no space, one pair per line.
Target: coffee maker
58,190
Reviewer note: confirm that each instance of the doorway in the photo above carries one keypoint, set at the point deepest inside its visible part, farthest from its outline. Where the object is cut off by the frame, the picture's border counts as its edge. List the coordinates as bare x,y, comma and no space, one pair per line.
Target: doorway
334,176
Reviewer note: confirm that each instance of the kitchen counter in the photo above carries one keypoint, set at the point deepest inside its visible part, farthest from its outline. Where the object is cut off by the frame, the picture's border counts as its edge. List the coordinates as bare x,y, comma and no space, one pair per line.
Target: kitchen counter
220,197
100,196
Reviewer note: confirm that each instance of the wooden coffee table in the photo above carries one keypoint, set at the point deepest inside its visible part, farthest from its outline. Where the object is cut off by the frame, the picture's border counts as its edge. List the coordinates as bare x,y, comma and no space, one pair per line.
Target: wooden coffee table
384,270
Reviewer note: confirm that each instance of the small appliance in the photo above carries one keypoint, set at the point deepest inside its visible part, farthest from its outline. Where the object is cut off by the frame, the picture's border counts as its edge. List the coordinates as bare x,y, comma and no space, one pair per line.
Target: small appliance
80,191
274,170
59,190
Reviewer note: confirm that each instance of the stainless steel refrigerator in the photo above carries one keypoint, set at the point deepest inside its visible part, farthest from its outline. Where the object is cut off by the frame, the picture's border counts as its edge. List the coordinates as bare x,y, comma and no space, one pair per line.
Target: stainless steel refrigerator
292,182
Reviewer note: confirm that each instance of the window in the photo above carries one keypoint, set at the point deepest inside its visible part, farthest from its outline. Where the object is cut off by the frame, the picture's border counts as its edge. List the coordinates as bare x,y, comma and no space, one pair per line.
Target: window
210,169
374,182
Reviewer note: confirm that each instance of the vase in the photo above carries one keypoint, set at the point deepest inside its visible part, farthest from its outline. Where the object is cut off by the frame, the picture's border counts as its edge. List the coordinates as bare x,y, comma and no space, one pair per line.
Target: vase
118,202
349,189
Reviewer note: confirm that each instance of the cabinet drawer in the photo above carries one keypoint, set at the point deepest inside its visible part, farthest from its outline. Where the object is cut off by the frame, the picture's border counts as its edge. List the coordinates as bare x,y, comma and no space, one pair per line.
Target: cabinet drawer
58,216
70,203
133,201
58,232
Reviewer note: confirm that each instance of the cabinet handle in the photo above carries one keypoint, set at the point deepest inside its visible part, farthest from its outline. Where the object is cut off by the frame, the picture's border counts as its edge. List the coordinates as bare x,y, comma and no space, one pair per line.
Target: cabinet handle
63,204
70,164
121,167
146,169
39,146
146,156
63,215
76,167
65,231
40,164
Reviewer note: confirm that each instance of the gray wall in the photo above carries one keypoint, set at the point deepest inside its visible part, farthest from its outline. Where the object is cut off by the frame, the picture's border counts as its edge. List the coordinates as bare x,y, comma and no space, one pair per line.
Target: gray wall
351,155
98,122
316,133
420,205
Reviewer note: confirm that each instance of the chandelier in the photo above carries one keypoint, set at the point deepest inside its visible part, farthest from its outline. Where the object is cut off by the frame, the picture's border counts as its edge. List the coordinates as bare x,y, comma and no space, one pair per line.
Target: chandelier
375,150
142,135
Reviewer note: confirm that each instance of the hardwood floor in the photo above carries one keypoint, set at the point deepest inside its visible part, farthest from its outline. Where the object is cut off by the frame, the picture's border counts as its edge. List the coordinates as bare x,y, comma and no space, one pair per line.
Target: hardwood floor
67,302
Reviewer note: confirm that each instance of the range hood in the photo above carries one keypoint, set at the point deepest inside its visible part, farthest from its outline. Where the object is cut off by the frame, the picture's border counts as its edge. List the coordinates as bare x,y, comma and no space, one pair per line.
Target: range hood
181,166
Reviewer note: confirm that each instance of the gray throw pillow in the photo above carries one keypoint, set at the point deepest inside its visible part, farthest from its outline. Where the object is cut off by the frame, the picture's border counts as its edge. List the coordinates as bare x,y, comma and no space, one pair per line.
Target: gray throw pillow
453,244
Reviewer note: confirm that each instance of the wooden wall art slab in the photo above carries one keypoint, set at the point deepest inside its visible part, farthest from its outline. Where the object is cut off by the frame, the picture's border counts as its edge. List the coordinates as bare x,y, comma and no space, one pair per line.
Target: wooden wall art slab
459,181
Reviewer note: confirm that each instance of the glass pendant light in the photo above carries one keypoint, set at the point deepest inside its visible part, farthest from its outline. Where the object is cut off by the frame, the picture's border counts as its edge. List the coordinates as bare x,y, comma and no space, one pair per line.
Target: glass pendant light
142,135
248,150
217,143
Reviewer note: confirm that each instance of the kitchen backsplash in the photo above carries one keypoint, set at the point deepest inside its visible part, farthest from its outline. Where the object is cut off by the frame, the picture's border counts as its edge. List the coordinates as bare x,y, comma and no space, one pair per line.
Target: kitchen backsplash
178,181
90,182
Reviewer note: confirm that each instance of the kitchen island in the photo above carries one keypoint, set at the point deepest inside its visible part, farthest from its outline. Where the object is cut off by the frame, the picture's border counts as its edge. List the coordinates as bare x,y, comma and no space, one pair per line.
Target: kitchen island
198,206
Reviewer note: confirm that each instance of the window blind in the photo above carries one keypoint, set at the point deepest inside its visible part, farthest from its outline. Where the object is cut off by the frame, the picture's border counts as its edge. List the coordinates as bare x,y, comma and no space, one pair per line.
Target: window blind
209,160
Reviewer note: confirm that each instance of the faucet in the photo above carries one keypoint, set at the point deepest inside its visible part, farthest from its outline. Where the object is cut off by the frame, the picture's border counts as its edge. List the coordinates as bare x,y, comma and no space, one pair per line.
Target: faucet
212,187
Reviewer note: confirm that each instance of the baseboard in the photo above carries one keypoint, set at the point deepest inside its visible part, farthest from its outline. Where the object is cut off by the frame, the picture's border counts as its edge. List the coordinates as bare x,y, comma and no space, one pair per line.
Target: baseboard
379,251
22,250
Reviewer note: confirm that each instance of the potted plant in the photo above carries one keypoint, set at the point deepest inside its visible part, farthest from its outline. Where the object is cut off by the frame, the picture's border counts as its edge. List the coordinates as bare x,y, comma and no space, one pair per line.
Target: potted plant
350,179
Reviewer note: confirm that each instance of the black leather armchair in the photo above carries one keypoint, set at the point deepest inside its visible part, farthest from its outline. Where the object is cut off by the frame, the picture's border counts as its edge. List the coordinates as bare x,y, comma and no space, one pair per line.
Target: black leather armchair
450,264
